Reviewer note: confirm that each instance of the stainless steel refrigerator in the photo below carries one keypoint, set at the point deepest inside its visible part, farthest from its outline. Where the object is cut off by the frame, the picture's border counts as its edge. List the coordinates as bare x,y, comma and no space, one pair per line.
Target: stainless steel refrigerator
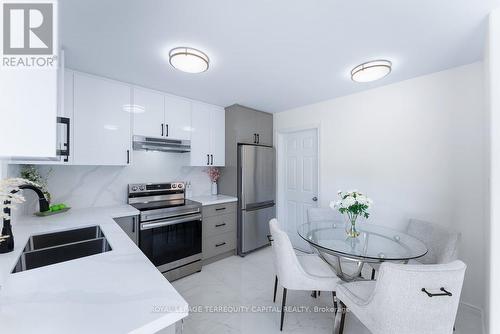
256,196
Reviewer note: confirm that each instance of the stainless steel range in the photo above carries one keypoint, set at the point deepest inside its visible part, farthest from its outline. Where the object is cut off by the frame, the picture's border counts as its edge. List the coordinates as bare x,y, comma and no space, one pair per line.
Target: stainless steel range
169,228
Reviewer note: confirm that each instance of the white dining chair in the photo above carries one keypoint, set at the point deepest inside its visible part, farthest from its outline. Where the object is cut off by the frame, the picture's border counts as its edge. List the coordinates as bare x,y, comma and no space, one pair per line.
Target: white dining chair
298,272
406,299
442,245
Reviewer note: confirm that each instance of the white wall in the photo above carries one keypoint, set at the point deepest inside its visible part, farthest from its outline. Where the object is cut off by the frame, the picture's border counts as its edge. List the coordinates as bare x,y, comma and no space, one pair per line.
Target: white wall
492,62
417,148
89,186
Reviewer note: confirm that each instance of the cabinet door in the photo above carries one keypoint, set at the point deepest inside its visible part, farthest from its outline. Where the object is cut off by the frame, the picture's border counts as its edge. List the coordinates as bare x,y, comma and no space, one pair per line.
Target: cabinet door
264,126
130,226
200,134
102,125
243,121
217,136
177,118
149,122
28,109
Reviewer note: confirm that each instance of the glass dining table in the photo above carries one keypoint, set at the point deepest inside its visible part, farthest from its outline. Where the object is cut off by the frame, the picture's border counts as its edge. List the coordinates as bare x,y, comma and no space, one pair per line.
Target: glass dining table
374,245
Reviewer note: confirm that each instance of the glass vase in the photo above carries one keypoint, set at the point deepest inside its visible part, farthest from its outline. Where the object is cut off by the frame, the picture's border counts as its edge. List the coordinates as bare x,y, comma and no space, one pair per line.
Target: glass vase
214,188
350,227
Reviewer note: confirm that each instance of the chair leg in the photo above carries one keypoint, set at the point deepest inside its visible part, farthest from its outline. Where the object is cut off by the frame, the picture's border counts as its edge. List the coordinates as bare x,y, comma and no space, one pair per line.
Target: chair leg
283,302
319,293
373,274
314,294
342,318
275,287
334,294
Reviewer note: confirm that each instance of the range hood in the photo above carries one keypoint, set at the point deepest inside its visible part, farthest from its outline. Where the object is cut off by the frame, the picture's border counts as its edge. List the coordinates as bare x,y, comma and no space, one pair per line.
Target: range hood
161,144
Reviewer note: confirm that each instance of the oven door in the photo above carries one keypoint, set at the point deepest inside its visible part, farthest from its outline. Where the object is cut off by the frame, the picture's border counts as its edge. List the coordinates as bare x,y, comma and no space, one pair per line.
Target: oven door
171,242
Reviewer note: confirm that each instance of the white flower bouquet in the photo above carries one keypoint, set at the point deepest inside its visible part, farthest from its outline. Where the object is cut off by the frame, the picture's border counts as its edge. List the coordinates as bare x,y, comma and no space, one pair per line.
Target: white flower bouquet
352,204
9,196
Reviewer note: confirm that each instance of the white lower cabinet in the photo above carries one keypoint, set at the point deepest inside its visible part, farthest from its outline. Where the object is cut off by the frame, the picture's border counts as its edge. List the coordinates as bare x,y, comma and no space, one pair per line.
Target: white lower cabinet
102,121
208,135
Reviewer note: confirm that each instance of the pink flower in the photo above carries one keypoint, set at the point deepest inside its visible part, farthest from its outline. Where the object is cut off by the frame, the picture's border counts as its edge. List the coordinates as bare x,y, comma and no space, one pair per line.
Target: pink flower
213,173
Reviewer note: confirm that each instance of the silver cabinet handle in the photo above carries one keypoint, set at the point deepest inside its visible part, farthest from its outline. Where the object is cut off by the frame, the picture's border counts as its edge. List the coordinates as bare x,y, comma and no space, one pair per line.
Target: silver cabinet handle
208,159
162,129
315,199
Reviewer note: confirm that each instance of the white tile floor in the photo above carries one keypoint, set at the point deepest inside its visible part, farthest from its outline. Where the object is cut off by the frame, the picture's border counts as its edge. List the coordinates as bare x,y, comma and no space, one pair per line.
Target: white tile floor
237,282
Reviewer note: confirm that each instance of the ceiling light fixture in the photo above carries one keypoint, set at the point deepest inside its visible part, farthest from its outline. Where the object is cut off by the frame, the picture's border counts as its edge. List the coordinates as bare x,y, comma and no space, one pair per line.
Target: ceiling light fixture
188,60
371,71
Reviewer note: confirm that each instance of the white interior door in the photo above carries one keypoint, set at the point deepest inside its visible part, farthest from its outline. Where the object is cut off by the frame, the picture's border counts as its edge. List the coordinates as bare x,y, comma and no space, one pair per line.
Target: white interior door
301,181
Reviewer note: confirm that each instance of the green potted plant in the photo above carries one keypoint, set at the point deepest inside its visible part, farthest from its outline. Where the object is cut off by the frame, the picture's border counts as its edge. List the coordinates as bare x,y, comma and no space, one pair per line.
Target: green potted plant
33,174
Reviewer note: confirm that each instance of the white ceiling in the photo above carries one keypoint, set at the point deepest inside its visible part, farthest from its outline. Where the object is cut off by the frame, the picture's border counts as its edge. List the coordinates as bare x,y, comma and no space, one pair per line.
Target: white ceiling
270,55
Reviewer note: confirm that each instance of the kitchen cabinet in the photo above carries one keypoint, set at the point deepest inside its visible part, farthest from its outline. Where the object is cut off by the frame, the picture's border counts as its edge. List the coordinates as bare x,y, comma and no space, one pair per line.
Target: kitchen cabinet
102,121
207,135
160,115
177,118
64,125
130,225
149,117
247,126
250,126
28,111
219,231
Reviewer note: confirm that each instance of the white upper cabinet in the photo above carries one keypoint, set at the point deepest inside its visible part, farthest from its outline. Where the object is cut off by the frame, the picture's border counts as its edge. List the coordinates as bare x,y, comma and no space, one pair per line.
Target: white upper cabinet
102,121
160,115
217,135
28,111
200,135
208,135
148,113
177,118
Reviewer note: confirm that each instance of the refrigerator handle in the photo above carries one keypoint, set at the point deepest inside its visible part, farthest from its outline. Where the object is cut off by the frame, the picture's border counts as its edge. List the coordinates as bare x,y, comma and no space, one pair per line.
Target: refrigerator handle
258,206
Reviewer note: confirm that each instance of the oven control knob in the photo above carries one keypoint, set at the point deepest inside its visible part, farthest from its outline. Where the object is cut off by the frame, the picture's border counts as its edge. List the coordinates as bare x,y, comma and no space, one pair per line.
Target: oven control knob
174,186
142,188
134,188
180,186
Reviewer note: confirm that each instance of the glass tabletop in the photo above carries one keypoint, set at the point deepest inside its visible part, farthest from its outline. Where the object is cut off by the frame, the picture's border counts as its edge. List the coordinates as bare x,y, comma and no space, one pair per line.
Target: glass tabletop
374,244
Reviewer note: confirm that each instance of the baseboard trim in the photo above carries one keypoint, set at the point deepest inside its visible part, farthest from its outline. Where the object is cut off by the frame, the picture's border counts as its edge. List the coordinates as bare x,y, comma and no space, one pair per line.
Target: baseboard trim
476,310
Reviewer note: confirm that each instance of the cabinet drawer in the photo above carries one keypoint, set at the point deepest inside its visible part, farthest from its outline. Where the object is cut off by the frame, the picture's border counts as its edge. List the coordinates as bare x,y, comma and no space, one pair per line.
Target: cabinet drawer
219,244
219,224
219,209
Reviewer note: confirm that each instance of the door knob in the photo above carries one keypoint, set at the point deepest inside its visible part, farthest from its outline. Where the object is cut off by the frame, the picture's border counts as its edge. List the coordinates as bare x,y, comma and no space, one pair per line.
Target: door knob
315,199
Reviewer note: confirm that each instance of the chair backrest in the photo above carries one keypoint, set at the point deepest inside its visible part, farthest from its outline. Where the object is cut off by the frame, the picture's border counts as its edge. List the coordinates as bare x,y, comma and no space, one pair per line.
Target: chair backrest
442,245
285,260
320,214
399,305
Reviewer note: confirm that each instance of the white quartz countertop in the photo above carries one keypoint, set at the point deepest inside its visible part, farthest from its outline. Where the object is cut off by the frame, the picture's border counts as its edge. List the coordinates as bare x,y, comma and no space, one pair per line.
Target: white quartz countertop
214,199
119,291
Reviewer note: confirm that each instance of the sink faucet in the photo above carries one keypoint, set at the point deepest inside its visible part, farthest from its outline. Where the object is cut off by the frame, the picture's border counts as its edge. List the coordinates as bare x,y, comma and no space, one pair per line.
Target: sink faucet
8,238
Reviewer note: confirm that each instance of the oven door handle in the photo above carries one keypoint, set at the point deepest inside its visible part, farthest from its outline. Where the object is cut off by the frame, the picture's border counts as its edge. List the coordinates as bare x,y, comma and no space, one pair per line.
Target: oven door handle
167,222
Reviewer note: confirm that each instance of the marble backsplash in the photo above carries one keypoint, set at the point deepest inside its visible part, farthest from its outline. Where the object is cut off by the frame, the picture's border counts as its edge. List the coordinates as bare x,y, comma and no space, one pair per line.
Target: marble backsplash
94,186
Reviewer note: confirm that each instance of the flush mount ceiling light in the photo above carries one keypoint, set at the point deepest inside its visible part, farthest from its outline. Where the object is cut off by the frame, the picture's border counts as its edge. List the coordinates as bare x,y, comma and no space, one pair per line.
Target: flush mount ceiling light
188,60
371,71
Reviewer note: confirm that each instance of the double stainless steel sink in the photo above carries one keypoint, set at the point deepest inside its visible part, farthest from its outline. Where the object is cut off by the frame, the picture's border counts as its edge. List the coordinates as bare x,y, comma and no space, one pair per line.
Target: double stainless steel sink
50,248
